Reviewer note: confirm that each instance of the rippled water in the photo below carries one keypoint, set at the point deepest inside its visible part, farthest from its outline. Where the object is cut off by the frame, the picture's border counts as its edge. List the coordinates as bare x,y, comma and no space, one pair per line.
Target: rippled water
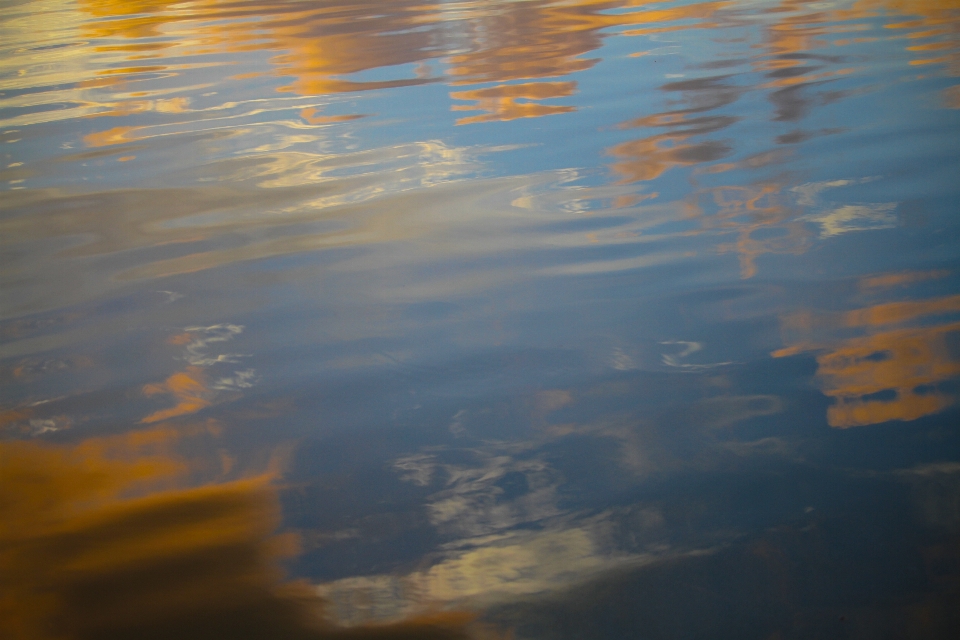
592,318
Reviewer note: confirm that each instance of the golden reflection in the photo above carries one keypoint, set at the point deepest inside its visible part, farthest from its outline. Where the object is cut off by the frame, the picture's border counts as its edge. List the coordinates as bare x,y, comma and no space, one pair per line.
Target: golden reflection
906,364
927,19
888,280
98,542
116,135
320,44
500,102
648,158
543,39
931,18
514,55
188,387
897,312
788,61
891,372
319,41
146,16
762,219
751,210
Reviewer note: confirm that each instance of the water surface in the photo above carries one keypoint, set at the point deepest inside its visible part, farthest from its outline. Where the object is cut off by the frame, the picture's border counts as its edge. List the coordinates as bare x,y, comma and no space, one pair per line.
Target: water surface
595,318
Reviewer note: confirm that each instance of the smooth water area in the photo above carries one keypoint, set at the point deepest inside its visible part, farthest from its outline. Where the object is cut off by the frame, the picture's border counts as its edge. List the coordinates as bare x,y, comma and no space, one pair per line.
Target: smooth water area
590,318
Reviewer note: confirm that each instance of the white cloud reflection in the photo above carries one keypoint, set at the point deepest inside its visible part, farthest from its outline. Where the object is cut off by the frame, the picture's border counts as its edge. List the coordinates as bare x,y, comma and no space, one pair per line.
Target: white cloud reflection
855,217
837,220
520,563
500,489
196,351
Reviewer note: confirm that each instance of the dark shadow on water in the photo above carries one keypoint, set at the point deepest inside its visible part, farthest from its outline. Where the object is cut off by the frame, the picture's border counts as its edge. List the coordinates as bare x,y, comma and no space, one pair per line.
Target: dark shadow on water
854,576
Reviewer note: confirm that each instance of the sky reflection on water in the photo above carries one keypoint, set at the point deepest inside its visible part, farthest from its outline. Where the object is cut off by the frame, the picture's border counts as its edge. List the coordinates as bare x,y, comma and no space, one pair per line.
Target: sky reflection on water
592,318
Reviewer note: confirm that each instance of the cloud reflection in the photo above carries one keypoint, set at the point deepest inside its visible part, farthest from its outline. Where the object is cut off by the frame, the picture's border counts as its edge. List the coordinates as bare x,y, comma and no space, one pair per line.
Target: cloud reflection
523,41
329,47
193,389
512,523
506,58
96,543
891,370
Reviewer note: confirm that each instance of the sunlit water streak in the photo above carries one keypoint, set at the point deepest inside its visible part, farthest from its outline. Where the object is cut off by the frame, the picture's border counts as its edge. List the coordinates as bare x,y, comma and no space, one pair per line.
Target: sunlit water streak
538,301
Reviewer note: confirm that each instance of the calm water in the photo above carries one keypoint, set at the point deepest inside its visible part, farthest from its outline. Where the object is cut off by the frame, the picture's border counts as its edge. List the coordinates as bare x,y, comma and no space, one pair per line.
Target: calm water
592,318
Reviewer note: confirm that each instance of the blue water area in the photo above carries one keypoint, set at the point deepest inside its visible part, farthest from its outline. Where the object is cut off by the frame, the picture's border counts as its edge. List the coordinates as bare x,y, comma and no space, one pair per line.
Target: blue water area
537,319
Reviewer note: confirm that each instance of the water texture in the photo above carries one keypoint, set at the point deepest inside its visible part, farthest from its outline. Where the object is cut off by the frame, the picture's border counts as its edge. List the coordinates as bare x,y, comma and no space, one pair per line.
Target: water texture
573,318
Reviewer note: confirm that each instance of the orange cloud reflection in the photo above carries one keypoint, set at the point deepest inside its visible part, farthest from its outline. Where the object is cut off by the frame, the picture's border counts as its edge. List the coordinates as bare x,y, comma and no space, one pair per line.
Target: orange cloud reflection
759,217
890,373
543,39
889,376
117,135
320,41
86,554
188,387
925,19
787,57
900,279
500,102
648,158
320,44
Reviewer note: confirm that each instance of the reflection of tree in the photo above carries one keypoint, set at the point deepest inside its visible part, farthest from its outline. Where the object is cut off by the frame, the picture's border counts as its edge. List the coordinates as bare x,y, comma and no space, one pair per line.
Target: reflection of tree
130,19
889,372
786,59
507,58
524,41
326,40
